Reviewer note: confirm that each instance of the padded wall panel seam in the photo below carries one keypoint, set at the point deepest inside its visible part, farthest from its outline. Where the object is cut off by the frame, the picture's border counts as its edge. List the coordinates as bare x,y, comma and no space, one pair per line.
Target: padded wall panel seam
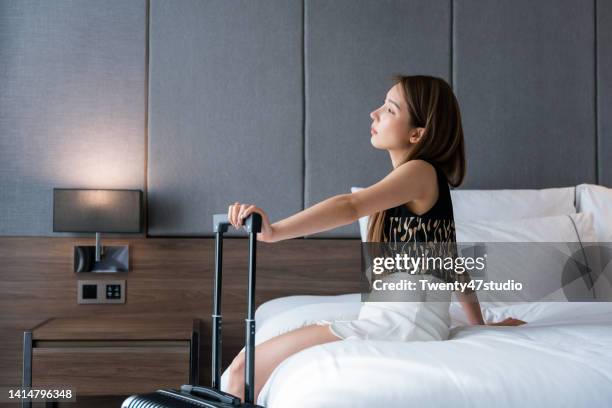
305,46
351,50
71,103
146,120
451,43
225,111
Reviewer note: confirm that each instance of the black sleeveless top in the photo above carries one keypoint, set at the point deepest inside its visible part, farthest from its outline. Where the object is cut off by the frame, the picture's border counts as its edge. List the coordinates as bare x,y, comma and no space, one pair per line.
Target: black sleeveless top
436,225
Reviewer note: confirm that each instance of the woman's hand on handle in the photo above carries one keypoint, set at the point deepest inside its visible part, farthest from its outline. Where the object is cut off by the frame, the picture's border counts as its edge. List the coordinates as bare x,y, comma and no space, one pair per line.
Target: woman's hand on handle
238,212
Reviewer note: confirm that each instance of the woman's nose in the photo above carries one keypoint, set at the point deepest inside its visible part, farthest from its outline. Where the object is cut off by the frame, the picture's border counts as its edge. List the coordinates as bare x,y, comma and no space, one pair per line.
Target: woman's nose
373,115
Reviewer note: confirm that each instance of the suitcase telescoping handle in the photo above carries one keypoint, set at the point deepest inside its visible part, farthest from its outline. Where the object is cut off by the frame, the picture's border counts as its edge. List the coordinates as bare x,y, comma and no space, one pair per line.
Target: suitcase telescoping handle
253,227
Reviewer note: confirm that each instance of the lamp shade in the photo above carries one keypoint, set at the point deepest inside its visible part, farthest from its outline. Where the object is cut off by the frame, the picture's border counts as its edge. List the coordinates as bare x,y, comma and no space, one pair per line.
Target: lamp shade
85,210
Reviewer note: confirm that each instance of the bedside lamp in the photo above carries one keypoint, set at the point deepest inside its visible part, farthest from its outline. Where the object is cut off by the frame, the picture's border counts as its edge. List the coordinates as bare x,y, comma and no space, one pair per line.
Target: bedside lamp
98,211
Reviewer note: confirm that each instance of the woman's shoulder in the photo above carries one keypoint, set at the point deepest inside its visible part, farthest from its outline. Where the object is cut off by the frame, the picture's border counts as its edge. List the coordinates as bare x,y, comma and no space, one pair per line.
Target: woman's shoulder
426,163
422,168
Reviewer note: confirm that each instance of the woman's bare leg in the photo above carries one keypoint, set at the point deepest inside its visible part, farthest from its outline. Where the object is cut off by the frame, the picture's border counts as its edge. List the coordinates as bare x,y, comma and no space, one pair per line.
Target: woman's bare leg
272,352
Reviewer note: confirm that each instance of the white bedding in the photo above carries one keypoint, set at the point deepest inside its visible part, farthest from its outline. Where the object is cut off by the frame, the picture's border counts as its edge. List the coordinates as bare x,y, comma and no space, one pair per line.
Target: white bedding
562,357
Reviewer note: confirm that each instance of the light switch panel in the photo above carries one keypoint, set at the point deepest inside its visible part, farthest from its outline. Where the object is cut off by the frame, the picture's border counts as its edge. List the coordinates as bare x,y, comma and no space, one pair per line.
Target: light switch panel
100,291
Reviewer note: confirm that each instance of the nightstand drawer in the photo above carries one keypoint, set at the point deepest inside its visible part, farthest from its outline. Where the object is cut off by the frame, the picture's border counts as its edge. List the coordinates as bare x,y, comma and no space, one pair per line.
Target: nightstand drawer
110,367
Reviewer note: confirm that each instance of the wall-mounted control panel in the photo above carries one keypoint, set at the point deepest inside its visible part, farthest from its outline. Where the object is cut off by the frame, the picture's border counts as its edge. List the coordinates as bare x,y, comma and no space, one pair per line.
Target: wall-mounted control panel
100,291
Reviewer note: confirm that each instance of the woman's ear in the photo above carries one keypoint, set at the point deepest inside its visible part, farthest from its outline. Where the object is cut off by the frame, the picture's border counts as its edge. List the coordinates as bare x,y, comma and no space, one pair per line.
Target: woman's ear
417,134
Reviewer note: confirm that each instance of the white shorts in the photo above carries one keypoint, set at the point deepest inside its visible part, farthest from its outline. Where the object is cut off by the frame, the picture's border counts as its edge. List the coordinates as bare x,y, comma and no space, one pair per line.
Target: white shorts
425,317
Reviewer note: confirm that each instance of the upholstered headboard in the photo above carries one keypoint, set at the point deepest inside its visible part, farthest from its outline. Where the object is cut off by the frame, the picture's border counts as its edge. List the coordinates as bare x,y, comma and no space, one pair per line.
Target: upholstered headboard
254,126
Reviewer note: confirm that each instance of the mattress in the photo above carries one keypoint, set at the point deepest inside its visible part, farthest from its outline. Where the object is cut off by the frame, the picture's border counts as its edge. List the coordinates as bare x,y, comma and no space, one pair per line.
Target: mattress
561,357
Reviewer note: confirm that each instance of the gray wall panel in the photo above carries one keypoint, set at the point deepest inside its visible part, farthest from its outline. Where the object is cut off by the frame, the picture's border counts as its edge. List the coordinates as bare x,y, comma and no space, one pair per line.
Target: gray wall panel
604,91
351,49
72,100
226,99
524,79
225,111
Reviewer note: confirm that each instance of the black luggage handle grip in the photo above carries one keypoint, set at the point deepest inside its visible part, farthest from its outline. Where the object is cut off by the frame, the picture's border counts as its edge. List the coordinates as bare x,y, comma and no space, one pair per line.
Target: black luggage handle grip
252,223
210,393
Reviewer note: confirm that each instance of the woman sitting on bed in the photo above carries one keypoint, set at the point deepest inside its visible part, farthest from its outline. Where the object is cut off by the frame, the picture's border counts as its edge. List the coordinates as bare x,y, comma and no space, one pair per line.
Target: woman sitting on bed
419,124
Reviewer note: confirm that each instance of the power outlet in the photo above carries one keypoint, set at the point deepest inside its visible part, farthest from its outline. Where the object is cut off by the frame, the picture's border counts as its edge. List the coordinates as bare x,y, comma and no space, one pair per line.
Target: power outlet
99,291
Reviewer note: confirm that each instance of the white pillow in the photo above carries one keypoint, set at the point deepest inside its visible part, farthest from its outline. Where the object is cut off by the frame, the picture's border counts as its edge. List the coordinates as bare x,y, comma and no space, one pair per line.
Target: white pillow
558,228
597,200
509,204
500,205
539,267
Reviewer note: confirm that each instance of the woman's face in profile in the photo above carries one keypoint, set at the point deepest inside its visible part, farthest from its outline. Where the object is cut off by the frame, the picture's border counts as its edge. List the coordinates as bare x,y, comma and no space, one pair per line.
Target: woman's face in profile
391,122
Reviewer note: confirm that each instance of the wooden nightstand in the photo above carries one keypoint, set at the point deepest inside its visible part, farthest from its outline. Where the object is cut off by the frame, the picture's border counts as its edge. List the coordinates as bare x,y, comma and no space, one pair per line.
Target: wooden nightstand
111,355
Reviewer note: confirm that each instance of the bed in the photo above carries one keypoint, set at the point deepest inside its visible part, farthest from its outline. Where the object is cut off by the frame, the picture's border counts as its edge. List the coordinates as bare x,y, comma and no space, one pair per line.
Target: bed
562,357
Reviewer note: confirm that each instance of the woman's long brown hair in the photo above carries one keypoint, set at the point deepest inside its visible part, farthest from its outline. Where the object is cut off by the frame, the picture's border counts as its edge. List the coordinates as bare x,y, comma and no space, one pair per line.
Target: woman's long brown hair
432,105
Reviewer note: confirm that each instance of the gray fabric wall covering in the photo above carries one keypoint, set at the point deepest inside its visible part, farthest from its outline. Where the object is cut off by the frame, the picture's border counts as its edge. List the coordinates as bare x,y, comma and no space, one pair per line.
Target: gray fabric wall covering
225,111
72,97
269,101
524,78
352,48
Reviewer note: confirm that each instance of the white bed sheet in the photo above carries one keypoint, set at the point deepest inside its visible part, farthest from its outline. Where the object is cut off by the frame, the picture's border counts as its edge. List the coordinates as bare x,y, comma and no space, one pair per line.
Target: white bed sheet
562,357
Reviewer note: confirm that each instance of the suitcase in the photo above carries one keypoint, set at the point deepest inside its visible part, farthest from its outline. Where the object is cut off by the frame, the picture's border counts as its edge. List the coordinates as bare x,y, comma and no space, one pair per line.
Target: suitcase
212,397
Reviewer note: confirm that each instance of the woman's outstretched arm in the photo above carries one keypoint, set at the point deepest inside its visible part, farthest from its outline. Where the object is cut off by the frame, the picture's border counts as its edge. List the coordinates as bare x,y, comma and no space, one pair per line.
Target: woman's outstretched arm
409,181
327,214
